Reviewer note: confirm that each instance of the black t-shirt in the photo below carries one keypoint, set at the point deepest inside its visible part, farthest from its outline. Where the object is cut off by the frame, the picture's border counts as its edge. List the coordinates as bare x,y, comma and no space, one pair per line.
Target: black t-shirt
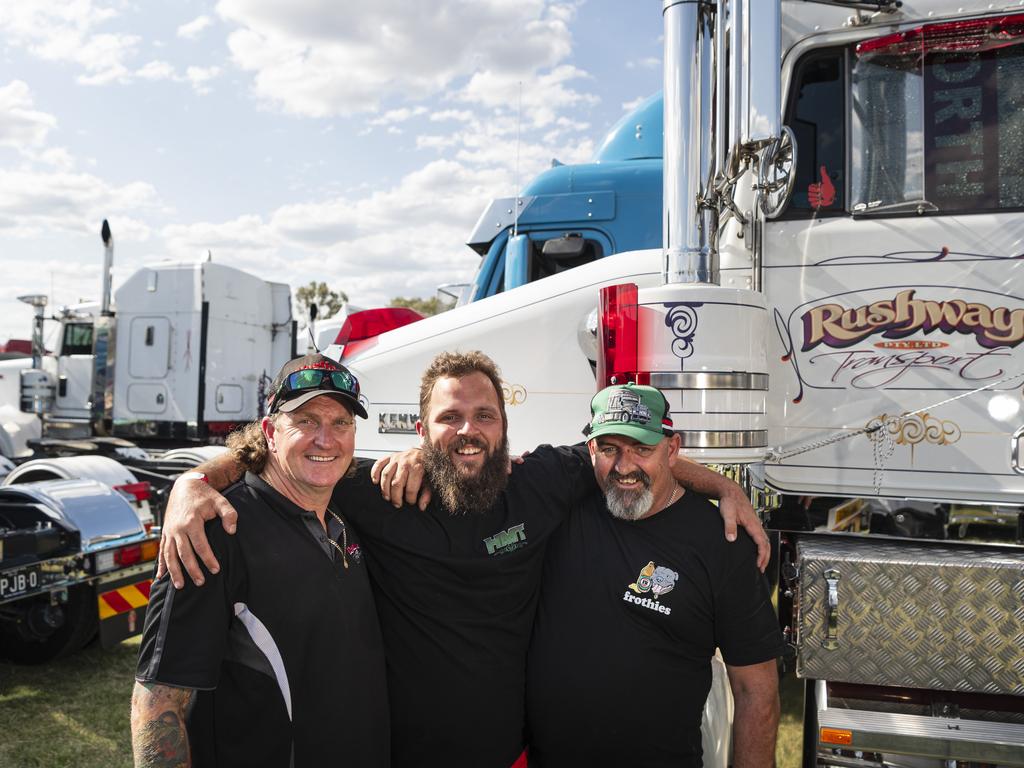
456,595
629,617
282,644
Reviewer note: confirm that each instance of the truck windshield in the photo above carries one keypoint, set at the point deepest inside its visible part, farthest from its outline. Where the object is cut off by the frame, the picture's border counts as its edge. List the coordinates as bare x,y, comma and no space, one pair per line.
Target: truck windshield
77,339
937,121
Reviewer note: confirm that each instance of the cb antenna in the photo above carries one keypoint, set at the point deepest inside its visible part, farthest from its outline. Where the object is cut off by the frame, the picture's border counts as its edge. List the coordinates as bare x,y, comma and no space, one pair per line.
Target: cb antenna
515,194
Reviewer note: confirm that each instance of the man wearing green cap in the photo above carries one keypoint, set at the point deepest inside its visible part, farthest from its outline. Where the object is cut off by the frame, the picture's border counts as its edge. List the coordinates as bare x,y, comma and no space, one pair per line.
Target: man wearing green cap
640,588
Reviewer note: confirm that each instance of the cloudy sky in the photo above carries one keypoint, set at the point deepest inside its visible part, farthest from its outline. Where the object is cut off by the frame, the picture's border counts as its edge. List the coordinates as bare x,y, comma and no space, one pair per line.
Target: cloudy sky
355,142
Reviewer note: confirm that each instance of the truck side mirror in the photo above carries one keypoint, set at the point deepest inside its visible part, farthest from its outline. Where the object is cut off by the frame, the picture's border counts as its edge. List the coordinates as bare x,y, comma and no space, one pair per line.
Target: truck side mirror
569,246
517,261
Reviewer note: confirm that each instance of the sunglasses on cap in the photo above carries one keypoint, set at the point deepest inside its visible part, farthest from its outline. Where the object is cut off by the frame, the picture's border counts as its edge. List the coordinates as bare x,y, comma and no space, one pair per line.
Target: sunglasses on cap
315,378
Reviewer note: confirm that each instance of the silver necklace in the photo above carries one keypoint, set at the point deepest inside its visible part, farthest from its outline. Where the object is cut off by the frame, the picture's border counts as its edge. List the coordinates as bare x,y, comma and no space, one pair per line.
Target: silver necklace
675,495
344,531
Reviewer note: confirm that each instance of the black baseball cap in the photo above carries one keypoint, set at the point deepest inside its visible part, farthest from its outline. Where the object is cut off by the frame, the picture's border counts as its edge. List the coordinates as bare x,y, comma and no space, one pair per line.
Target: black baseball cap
302,379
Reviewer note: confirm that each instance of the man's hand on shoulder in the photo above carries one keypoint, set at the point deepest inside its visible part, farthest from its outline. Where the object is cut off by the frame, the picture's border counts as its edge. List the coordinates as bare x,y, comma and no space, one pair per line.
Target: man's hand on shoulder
400,477
190,504
735,507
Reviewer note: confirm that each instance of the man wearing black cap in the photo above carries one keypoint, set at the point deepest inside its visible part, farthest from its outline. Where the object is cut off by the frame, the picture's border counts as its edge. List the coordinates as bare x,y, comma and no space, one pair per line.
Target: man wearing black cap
640,588
279,660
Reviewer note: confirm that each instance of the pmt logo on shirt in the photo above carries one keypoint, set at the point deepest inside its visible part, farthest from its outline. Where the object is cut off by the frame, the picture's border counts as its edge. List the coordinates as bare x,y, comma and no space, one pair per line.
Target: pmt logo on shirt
506,541
655,580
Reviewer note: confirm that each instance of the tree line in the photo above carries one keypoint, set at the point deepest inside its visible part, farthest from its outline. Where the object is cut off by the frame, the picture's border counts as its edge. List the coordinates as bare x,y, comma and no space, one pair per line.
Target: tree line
329,301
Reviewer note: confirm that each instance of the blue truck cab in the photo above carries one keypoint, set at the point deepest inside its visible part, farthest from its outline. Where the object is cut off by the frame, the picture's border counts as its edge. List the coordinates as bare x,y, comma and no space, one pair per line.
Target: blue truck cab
571,215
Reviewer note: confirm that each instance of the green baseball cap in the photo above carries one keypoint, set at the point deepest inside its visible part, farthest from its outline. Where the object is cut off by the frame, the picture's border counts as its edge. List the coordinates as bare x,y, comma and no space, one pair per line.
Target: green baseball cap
631,410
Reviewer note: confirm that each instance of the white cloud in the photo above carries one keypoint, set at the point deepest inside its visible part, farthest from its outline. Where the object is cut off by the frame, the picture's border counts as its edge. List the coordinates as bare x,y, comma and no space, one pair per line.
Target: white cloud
400,240
56,157
401,115
200,76
191,30
246,242
443,191
323,57
21,125
460,115
426,141
629,106
157,70
73,32
68,32
543,98
650,62
33,203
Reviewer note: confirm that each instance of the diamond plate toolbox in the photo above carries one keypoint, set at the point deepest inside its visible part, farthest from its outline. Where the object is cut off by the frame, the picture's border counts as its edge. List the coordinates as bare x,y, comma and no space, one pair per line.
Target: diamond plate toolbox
907,613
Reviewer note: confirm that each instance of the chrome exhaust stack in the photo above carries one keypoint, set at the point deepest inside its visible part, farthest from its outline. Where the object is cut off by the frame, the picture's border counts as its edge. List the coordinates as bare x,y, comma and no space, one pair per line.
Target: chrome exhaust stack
755,64
38,303
688,221
108,263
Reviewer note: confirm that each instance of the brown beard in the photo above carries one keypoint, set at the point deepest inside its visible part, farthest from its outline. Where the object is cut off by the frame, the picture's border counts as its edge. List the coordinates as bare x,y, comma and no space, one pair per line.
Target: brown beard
460,493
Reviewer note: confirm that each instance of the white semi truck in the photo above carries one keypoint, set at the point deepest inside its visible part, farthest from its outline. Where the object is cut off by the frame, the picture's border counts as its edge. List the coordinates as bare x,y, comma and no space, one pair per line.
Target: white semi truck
835,310
126,401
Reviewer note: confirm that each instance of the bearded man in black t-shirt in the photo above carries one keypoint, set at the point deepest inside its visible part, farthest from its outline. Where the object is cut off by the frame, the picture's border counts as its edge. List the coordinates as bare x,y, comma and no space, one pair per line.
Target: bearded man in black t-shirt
455,584
639,590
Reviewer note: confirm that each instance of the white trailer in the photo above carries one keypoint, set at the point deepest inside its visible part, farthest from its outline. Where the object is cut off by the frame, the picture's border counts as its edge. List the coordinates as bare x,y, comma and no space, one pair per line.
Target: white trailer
197,346
130,397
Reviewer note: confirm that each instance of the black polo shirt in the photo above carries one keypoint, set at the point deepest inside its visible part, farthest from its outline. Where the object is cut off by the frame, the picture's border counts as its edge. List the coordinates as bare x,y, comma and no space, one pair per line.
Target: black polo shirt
283,644
456,595
630,615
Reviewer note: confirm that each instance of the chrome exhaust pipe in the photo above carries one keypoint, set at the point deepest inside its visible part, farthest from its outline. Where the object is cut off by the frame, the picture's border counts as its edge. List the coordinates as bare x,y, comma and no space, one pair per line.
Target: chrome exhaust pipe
688,222
108,263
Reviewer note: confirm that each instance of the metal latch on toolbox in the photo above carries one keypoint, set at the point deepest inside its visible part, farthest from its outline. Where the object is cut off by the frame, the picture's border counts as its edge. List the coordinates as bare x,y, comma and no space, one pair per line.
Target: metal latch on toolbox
831,641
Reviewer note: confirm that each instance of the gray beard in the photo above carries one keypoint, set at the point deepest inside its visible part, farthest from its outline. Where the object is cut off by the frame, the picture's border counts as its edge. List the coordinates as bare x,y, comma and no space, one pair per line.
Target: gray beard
629,505
459,493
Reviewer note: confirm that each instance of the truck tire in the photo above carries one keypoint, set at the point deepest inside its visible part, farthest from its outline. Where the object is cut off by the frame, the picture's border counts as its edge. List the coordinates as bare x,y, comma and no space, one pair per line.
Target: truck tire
81,622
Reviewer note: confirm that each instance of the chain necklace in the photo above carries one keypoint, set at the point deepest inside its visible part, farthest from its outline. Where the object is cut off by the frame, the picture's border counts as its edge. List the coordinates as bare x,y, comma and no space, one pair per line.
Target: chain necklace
676,493
344,530
344,539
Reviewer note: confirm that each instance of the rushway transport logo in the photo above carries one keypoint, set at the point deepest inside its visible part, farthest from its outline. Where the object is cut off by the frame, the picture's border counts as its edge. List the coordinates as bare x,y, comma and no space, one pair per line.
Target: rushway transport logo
839,327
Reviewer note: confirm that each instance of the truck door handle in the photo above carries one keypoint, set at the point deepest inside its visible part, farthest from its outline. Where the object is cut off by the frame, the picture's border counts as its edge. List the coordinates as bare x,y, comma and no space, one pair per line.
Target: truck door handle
1016,451
831,641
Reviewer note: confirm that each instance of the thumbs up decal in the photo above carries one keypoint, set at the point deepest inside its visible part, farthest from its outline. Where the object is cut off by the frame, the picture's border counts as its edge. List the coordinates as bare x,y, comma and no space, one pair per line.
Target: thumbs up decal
823,194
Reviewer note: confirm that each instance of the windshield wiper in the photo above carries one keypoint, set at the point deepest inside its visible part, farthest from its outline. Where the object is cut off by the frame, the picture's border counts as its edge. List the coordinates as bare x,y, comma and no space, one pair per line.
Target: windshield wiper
906,206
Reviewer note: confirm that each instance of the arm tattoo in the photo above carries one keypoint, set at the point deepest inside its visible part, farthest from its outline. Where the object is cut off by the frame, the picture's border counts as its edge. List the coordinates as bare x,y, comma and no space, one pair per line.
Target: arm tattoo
159,737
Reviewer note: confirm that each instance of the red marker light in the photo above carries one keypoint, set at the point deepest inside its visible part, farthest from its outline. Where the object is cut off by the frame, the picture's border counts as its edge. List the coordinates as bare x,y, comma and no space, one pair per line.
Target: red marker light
140,491
972,36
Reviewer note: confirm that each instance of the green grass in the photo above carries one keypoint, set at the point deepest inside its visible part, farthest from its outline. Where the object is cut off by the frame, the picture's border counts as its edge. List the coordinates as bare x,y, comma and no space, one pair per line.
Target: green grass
73,713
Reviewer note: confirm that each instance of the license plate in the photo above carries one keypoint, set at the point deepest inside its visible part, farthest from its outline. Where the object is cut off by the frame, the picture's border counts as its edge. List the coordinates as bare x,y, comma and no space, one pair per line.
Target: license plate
14,583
